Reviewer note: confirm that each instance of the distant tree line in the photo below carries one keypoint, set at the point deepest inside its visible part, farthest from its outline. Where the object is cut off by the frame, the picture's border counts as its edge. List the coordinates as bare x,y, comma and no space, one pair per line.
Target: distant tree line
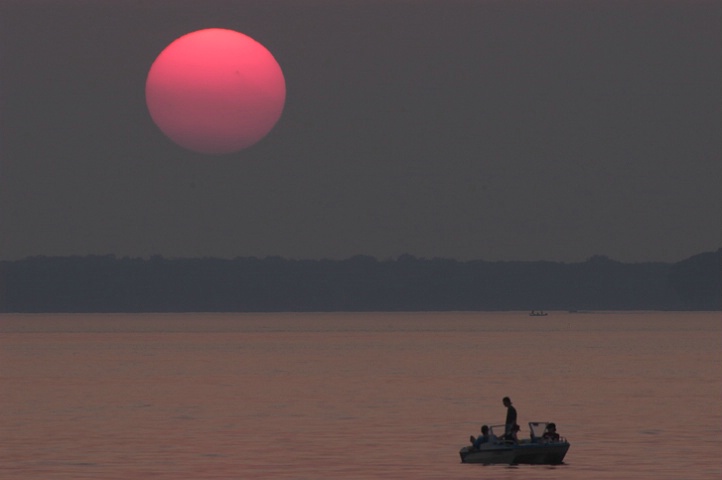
361,283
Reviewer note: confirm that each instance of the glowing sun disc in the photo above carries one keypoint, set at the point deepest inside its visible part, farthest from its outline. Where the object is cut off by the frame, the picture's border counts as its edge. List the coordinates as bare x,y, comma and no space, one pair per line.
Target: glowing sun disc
215,91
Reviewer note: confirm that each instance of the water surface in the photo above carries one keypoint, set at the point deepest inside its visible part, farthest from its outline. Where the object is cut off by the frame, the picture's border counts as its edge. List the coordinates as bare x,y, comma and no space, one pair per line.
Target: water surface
339,395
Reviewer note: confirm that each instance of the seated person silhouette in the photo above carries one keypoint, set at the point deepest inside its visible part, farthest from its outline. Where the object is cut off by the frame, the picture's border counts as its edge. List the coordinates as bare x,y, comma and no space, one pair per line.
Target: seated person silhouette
550,434
483,438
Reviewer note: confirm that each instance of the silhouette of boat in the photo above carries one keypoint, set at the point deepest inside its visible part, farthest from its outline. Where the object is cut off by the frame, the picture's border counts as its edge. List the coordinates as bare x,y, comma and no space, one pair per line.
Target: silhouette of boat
540,313
536,450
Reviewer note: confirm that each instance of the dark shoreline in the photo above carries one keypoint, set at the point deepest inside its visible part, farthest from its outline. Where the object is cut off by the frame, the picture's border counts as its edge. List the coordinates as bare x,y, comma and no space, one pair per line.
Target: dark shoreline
361,283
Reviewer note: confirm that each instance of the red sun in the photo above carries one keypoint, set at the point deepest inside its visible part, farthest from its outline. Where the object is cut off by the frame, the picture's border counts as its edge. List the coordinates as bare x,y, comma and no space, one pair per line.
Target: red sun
215,91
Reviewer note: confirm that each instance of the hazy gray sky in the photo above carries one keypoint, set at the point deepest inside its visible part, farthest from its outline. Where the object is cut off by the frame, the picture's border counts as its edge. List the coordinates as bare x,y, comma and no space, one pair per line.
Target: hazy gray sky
495,130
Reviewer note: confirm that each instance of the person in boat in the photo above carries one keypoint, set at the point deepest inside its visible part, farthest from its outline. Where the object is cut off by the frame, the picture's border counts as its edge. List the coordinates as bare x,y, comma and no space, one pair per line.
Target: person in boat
550,434
510,416
483,438
511,438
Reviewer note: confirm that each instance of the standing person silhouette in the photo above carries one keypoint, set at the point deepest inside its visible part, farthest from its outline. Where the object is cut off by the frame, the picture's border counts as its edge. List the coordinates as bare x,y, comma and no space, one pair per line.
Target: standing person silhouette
510,416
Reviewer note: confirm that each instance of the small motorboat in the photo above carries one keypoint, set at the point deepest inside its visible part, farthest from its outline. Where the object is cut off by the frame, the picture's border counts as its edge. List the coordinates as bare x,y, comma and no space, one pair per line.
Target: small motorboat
538,449
538,313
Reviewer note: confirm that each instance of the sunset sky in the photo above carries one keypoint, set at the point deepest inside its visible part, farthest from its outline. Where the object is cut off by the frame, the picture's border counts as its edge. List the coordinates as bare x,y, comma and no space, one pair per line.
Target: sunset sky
494,130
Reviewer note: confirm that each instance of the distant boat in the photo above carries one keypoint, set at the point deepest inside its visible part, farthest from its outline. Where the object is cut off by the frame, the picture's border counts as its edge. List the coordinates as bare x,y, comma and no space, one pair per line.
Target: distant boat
540,313
539,450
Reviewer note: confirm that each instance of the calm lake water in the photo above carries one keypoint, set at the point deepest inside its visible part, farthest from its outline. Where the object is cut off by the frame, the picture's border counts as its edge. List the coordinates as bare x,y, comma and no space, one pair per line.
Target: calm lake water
355,396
